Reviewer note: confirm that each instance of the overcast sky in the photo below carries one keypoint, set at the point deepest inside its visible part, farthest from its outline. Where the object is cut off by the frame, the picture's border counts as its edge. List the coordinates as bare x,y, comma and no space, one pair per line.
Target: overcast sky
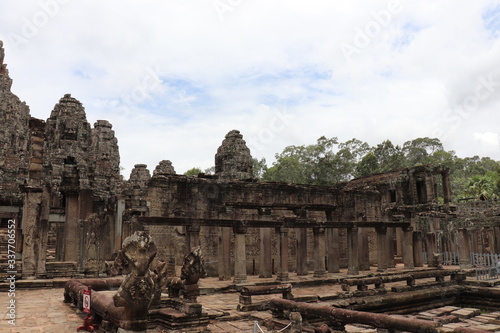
174,76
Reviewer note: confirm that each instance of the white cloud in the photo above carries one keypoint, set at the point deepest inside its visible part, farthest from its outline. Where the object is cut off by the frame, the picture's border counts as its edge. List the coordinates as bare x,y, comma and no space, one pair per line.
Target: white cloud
411,79
487,139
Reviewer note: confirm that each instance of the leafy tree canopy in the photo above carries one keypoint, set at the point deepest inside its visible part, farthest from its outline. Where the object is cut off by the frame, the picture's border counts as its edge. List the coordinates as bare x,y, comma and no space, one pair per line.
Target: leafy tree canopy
193,172
329,161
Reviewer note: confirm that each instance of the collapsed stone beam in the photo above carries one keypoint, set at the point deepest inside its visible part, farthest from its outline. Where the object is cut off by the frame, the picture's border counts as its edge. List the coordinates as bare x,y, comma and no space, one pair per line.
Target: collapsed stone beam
378,320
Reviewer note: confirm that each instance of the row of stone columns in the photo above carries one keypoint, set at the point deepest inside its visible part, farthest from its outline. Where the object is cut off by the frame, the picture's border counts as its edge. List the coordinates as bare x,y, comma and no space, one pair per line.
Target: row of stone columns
326,245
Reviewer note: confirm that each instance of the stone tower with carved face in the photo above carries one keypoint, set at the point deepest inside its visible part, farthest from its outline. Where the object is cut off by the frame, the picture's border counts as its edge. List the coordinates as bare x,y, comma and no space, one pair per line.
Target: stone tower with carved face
14,132
233,159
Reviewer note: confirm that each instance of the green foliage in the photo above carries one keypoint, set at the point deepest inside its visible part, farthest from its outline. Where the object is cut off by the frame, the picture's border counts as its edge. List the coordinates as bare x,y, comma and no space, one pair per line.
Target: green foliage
193,172
483,186
389,157
367,166
259,168
328,162
420,150
316,164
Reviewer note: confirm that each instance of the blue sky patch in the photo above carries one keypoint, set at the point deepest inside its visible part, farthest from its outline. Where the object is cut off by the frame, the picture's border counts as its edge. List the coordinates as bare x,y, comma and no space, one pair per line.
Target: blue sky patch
408,33
491,19
88,71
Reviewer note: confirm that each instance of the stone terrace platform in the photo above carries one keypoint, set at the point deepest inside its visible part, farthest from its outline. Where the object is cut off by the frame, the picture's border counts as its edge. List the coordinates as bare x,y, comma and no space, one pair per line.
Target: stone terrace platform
40,307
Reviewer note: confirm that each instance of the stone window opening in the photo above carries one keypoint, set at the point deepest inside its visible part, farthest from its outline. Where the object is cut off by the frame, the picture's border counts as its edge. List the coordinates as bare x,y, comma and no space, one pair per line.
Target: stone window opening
70,160
392,195
421,191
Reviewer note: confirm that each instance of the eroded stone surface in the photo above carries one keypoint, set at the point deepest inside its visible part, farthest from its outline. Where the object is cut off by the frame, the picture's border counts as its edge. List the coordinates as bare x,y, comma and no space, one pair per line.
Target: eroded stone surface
106,161
14,134
139,176
164,168
233,159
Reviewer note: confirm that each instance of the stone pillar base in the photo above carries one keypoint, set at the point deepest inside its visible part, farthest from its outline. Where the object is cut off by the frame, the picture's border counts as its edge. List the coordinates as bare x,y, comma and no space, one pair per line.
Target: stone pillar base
319,274
240,279
282,277
465,265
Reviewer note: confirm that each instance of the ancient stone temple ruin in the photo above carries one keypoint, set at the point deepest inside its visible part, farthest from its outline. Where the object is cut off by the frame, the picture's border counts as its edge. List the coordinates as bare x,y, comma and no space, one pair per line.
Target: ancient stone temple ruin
60,180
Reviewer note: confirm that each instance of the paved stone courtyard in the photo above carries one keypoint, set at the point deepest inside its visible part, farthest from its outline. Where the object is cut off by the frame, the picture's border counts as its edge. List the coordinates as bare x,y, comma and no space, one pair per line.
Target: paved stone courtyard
43,310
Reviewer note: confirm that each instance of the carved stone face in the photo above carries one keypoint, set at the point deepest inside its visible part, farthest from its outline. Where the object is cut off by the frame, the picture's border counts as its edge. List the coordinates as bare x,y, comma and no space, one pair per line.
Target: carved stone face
140,290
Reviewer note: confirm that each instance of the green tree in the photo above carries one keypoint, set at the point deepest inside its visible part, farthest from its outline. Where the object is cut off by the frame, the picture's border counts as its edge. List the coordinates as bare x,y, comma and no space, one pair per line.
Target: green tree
483,187
312,164
389,157
419,150
193,172
367,166
328,162
350,154
259,168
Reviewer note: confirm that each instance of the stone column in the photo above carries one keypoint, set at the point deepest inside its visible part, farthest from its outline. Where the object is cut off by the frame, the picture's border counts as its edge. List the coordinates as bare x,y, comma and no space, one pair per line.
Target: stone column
193,236
490,233
497,239
319,252
265,270
240,255
432,255
71,233
224,254
333,253
408,248
41,271
399,242
473,241
391,263
381,249
464,249
85,204
352,251
59,241
120,208
418,249
283,251
364,251
31,231
302,267
332,245
446,188
265,262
